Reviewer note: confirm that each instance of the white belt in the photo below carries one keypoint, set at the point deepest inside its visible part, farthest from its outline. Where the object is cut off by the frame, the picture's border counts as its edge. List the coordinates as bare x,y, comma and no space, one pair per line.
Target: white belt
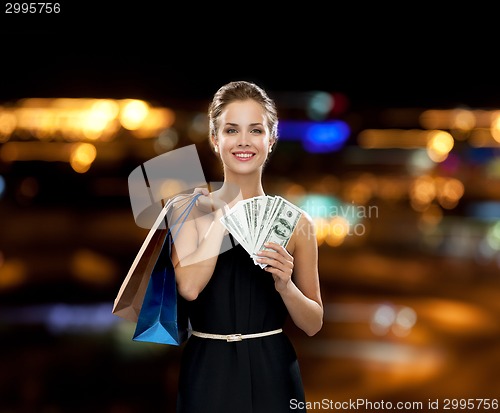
235,337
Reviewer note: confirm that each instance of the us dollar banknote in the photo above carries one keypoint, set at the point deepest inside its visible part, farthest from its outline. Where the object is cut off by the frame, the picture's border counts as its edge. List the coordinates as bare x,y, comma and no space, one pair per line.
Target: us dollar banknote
281,227
256,221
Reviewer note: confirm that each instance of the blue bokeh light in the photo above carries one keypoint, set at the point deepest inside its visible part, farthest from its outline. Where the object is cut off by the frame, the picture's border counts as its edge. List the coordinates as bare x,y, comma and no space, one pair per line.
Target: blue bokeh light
316,137
2,185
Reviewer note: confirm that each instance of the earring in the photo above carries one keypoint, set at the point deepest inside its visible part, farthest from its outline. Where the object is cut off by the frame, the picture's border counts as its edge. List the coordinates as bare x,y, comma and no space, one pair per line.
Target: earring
270,150
216,149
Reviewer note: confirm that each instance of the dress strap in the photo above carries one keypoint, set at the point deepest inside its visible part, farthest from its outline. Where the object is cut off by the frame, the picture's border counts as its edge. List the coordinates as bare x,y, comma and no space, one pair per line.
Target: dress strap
232,240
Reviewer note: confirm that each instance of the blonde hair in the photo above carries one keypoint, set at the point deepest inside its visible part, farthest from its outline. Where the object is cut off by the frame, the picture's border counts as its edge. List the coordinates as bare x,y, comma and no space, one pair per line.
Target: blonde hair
240,91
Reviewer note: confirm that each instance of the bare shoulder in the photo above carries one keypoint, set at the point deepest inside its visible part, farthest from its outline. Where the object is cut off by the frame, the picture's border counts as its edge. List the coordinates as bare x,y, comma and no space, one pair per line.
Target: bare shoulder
305,230
304,234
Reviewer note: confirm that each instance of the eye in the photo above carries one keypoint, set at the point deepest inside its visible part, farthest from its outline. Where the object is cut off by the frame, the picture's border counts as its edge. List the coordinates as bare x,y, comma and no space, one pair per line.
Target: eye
230,131
257,130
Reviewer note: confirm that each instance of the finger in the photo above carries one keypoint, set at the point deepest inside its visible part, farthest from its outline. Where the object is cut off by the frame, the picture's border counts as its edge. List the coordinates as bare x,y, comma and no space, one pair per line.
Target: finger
278,248
270,258
272,245
203,191
269,261
268,253
285,267
281,255
278,273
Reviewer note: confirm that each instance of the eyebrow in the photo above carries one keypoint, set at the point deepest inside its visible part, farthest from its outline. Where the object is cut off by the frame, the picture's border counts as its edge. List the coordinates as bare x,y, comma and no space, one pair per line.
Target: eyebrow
252,124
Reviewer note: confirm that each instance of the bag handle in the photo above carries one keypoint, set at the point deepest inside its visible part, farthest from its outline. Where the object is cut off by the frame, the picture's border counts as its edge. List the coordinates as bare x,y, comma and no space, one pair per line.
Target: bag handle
184,214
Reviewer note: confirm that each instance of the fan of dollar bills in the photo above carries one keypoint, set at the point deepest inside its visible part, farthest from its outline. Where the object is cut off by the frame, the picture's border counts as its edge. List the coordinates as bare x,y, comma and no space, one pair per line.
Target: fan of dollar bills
255,221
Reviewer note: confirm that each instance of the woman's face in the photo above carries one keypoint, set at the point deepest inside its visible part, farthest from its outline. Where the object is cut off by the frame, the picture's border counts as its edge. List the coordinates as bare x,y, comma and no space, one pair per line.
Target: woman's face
243,140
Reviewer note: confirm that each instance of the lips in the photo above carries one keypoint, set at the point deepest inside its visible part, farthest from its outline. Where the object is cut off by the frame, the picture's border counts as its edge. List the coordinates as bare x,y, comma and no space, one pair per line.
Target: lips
243,156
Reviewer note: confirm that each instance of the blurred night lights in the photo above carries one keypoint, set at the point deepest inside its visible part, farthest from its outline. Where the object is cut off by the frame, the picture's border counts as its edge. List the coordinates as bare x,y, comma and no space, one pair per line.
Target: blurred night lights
316,137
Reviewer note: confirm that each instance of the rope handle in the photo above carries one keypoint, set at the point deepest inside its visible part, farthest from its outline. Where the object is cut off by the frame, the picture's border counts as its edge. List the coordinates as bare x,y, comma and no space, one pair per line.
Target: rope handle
183,215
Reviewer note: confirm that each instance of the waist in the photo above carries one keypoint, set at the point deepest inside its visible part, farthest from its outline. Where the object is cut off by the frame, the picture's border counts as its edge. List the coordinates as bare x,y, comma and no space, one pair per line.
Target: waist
235,337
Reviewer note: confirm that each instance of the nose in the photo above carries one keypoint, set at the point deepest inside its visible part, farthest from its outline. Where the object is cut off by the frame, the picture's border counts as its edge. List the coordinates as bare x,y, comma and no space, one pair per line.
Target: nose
243,139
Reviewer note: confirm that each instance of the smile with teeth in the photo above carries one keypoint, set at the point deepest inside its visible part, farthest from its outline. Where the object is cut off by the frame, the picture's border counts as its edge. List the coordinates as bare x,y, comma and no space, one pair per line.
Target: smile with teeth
243,156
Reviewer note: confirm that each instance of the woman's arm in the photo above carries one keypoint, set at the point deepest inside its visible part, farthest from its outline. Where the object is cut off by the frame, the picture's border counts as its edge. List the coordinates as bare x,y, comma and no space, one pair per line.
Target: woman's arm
195,250
297,278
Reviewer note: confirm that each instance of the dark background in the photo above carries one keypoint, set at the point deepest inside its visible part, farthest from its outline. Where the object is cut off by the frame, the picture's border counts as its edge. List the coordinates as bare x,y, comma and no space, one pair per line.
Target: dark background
379,55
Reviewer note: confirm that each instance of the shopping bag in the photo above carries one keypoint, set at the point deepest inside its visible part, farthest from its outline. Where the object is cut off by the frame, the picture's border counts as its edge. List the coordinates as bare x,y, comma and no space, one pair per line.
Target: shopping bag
128,301
163,317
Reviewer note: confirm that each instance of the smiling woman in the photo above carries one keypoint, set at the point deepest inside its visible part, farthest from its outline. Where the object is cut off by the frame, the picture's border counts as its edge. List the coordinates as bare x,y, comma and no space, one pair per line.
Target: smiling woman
241,142
238,353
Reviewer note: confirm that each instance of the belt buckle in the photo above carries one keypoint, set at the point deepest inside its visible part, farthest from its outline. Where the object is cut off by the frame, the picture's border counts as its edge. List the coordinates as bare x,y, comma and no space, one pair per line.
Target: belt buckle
233,337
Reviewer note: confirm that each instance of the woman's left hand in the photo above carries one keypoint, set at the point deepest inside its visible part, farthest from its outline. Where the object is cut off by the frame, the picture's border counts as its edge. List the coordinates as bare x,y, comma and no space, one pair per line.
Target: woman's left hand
279,263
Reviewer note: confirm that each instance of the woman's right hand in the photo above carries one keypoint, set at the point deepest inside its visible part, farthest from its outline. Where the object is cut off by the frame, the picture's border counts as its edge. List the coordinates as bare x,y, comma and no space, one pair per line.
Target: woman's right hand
207,202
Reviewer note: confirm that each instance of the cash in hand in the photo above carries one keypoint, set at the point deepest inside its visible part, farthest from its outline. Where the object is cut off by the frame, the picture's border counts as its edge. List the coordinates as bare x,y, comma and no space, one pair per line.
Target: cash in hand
255,221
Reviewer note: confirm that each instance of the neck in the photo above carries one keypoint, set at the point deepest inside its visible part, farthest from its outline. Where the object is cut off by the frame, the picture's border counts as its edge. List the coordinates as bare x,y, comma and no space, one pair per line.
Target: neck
248,186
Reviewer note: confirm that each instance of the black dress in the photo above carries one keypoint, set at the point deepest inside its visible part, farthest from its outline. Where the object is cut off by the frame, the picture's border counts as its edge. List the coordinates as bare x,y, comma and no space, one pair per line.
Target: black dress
257,375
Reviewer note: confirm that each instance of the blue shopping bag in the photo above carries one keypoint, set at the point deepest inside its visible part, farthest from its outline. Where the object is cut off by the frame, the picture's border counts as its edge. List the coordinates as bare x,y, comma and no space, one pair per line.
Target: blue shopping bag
163,318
